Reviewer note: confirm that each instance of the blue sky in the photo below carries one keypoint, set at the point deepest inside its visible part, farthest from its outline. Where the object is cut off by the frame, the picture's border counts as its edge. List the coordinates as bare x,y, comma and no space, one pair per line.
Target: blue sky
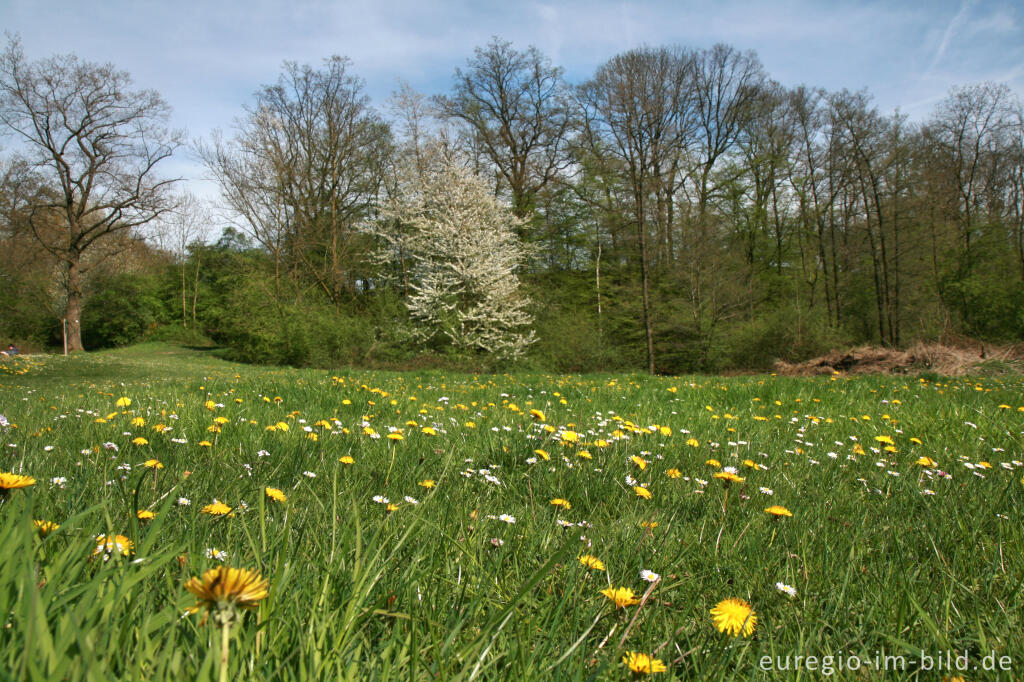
207,57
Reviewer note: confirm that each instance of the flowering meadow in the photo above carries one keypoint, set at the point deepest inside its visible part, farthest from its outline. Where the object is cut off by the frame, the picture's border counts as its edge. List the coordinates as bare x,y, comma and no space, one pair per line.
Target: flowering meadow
166,514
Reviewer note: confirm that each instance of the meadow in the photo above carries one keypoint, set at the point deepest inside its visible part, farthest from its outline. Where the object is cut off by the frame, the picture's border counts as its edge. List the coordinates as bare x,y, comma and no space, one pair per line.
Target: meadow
446,527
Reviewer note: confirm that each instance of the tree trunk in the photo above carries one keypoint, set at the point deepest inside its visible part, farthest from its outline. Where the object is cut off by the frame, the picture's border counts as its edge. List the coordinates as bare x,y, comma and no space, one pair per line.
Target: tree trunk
73,312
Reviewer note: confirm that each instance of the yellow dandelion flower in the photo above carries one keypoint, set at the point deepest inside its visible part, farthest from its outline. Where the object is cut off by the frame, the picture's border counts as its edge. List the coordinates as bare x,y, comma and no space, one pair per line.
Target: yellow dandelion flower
44,528
648,525
674,473
220,420
643,664
205,444
114,545
542,454
145,515
391,507
10,482
138,421
585,454
395,436
621,596
591,562
559,502
140,441
751,464
926,462
734,616
665,430
778,510
885,439
713,463
728,477
224,589
538,415
210,405
642,492
218,508
693,442
428,431
346,459
153,464
427,483
275,494
123,401
570,436
639,461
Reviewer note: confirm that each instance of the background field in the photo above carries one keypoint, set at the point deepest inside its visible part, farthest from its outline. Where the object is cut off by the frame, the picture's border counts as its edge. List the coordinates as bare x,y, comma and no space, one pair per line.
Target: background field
883,551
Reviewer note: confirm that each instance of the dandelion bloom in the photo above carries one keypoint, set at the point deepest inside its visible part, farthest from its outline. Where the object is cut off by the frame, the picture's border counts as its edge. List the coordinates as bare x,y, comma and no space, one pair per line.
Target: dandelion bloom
276,495
642,663
591,562
123,401
218,508
538,415
140,441
642,492
729,477
138,421
559,502
926,462
210,405
570,436
428,431
427,483
44,528
10,482
778,510
346,459
622,596
673,473
693,442
224,589
665,430
542,453
395,436
639,461
648,525
145,515
114,544
205,444
734,616
885,439
714,463
153,464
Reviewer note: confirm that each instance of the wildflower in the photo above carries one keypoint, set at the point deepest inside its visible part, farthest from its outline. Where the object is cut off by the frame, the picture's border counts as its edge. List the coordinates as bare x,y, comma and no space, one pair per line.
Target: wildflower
734,616
380,499
728,477
391,507
205,444
621,596
427,483
570,436
673,473
411,500
275,494
153,464
9,482
648,525
783,587
639,461
593,562
428,431
649,576
585,454
224,590
59,481
140,441
123,401
346,459
767,491
44,528
714,463
778,510
210,405
113,545
543,454
184,502
218,508
926,462
216,554
885,439
138,421
642,492
145,515
507,518
559,502
693,442
538,415
642,663
395,436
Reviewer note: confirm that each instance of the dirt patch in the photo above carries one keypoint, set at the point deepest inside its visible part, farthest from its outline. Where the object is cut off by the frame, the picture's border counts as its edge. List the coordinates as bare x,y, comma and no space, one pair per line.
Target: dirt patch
930,357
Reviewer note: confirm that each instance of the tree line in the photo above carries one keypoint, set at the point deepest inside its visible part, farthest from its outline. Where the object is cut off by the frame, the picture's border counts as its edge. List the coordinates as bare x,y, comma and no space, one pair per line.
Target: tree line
677,211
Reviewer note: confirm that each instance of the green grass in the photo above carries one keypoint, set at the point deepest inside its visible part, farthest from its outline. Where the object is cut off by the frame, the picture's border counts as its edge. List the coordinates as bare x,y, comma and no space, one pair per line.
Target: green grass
444,589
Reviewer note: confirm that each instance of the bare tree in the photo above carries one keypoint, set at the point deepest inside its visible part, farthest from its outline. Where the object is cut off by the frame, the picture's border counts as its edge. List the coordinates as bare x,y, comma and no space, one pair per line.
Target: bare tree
92,144
515,105
635,110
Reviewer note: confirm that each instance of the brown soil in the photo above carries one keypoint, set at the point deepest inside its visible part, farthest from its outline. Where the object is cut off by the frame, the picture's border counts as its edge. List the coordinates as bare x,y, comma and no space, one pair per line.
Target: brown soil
931,357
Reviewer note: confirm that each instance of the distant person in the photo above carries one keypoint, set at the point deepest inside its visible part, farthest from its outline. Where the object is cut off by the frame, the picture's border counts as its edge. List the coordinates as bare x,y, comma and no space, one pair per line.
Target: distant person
11,350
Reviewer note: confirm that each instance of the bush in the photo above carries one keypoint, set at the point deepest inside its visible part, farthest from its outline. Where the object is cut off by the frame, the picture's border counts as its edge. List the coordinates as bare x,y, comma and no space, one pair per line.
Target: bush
121,310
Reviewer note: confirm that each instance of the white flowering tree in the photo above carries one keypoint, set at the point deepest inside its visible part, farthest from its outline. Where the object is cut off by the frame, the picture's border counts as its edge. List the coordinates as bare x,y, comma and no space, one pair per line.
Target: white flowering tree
463,254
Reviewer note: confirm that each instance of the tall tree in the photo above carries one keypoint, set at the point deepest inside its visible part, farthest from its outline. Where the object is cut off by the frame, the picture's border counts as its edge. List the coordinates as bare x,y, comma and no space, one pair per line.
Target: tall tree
515,107
91,145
